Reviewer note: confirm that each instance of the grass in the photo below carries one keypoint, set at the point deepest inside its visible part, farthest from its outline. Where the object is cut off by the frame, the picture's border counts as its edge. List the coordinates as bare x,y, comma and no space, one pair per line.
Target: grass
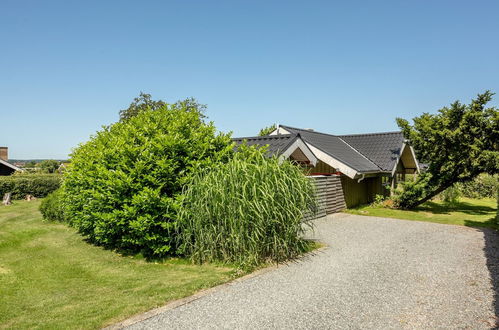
51,278
247,211
467,212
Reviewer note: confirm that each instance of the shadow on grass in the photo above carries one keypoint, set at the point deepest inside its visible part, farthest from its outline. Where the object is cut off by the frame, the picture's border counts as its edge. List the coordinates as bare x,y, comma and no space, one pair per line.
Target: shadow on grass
491,223
491,252
462,207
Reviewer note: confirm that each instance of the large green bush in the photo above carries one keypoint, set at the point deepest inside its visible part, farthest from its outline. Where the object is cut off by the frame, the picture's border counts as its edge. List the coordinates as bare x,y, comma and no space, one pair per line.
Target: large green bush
38,185
52,207
247,211
123,188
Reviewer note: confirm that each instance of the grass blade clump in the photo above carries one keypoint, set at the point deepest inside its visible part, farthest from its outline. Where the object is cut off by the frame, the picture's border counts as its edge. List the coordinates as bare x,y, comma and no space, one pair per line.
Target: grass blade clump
250,210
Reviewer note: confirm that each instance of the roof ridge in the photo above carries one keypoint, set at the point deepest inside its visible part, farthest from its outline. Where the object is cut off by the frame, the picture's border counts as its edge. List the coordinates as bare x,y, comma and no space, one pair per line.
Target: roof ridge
339,137
279,136
304,130
376,133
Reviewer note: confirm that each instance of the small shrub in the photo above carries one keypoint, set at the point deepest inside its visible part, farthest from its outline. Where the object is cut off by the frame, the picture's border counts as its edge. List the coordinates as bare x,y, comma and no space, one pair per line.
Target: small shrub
247,211
389,203
52,207
450,195
409,191
378,200
38,185
383,201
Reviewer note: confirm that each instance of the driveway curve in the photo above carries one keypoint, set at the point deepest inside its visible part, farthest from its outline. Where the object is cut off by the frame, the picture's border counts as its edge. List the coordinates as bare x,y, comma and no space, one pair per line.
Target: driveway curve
374,273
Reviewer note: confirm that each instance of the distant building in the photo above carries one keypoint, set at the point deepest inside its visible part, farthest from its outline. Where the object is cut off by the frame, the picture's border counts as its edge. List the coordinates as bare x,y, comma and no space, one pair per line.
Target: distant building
6,168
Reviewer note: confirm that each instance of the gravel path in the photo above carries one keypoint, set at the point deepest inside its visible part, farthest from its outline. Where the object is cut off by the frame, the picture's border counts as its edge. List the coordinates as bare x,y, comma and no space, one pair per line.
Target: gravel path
375,273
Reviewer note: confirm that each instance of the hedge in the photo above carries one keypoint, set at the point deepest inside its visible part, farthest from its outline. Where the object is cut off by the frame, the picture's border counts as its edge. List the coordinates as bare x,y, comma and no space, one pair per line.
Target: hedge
37,185
52,207
124,187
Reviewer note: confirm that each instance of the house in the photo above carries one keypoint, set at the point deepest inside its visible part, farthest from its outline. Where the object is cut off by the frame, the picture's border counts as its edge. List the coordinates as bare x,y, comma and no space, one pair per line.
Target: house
6,168
366,164
285,146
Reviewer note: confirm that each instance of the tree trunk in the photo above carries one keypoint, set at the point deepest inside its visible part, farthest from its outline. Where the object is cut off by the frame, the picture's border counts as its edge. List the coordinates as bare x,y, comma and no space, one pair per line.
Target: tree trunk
429,196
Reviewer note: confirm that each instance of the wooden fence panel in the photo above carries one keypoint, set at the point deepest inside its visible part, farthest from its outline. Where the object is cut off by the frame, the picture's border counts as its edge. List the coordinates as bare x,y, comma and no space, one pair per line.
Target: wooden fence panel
329,194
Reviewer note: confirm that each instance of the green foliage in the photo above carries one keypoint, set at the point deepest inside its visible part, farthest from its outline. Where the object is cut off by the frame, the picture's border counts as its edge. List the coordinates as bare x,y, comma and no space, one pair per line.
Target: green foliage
37,185
124,185
378,200
450,196
141,103
49,166
250,210
497,211
497,207
267,130
144,103
30,164
52,207
483,186
458,143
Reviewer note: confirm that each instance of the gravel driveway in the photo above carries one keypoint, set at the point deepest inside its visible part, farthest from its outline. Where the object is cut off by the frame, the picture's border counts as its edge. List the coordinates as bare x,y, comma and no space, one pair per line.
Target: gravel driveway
375,273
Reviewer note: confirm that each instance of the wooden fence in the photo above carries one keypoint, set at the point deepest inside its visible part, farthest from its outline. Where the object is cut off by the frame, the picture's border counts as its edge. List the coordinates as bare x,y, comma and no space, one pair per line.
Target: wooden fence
329,194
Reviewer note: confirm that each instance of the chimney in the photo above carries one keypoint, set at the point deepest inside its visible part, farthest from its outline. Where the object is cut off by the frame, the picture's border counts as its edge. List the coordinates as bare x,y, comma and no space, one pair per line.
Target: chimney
4,153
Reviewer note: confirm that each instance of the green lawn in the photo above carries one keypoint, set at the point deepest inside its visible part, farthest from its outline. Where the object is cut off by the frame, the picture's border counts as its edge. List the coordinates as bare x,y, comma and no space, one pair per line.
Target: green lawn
51,278
468,212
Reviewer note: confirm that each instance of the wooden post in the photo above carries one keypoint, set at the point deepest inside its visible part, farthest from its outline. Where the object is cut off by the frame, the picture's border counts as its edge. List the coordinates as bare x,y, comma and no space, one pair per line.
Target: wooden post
7,199
393,184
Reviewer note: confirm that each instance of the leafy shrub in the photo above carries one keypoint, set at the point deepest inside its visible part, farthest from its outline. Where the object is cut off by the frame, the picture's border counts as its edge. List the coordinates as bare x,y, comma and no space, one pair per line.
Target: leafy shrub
49,165
450,195
38,185
123,188
378,200
247,211
409,191
483,186
52,207
382,201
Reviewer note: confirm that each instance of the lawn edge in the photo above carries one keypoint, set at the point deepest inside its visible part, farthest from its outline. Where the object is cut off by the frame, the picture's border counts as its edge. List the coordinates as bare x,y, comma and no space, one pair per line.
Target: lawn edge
184,301
204,292
423,221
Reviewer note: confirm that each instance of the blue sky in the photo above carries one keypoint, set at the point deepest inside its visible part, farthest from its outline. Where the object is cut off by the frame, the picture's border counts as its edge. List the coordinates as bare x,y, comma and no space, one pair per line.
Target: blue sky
68,67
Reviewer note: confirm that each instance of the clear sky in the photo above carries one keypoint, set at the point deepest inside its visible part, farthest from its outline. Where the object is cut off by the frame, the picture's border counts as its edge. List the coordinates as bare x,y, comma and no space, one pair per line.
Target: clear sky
68,67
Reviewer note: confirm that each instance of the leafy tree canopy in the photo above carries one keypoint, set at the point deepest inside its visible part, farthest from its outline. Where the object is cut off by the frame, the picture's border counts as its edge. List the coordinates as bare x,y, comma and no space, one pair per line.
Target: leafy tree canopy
267,130
49,166
459,142
144,102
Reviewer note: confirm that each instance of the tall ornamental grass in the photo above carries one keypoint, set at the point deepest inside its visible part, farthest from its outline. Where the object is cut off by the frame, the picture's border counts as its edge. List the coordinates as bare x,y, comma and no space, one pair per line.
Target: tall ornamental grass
247,211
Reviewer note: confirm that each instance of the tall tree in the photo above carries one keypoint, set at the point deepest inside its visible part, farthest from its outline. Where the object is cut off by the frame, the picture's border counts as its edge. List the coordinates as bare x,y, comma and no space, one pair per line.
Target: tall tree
141,103
144,102
267,130
49,165
459,142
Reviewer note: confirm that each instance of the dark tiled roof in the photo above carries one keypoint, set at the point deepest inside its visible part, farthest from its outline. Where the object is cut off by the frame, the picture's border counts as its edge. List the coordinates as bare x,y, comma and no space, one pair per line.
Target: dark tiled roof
382,149
276,143
337,148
